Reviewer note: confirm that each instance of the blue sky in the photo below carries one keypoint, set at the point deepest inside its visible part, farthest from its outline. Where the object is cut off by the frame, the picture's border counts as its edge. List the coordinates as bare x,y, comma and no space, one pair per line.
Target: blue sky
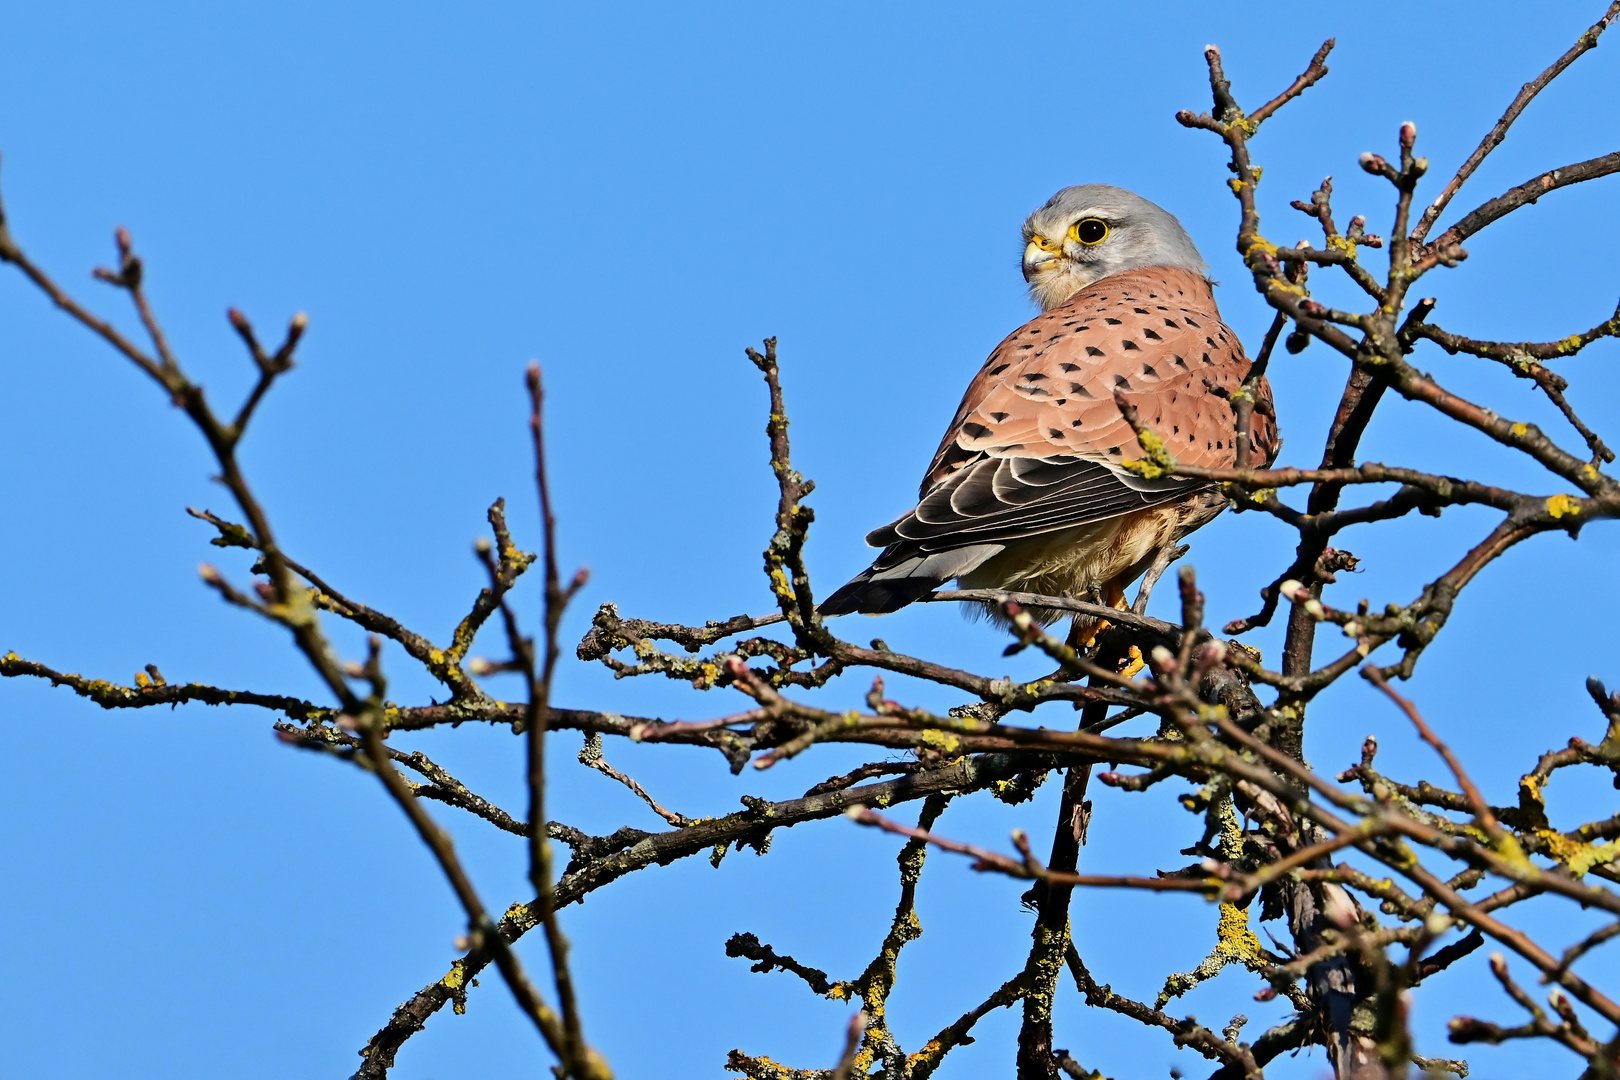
631,194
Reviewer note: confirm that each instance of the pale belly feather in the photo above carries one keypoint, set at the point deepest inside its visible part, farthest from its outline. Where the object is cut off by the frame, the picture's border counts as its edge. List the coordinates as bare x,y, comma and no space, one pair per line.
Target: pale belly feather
1090,562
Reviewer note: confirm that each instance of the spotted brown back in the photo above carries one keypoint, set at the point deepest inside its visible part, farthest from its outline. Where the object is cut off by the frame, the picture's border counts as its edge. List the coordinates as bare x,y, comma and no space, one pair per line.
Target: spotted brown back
1036,446
1153,334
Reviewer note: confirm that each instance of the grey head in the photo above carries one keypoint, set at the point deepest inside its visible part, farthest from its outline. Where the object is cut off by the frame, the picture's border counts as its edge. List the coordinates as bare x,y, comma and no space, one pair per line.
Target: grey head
1091,231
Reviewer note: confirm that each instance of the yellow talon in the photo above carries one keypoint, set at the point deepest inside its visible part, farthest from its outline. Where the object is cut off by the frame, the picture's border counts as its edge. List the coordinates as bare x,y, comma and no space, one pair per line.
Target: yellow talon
1133,663
1082,639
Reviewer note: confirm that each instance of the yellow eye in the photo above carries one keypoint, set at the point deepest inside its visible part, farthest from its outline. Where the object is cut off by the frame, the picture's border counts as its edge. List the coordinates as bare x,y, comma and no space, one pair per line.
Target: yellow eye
1089,231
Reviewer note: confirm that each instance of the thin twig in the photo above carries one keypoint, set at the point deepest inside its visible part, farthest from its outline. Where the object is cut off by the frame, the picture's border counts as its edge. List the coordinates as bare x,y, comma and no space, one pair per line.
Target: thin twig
1520,102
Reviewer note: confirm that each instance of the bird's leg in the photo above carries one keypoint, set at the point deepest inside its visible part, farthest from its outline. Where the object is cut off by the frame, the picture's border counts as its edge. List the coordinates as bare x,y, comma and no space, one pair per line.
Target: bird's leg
1083,631
1114,597
1083,635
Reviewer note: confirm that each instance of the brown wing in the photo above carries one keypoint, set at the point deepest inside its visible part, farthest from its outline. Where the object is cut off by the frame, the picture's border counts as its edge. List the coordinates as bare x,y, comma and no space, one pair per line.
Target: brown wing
1035,446
1048,389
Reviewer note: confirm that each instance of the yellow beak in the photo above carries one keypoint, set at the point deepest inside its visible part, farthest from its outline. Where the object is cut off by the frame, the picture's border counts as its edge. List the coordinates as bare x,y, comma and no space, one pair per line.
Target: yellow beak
1040,255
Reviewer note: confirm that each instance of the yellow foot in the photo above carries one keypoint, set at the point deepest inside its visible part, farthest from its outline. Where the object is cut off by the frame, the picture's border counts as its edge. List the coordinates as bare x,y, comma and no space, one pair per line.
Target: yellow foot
1082,638
1132,663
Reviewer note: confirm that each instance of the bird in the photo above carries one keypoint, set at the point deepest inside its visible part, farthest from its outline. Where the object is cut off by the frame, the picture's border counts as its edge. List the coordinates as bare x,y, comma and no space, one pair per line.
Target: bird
1028,490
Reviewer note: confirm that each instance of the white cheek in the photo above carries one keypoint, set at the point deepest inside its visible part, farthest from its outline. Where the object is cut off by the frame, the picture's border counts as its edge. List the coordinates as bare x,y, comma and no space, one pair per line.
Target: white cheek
1050,290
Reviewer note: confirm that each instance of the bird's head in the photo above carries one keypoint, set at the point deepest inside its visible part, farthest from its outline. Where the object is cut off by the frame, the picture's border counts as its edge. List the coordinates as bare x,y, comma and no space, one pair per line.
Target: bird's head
1092,231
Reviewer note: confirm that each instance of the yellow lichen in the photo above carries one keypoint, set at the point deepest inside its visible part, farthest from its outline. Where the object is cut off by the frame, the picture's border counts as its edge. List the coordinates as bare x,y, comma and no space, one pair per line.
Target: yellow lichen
1156,461
1592,855
1520,430
1561,505
455,981
1577,857
1512,853
1346,244
775,1070
1236,941
930,1054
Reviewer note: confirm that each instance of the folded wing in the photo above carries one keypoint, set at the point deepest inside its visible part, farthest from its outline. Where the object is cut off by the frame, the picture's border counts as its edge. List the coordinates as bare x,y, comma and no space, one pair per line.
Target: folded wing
1038,443
972,515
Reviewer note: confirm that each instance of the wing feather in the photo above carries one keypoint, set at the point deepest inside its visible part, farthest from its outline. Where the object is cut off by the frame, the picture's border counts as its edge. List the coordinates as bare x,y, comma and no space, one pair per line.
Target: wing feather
992,499
1038,443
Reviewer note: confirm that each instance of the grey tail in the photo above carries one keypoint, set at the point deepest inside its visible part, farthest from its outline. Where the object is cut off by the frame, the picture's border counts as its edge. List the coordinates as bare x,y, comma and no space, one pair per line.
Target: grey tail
898,578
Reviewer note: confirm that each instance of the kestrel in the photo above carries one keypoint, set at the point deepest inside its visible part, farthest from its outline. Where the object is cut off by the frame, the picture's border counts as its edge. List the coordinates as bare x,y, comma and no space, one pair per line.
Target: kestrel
1026,491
